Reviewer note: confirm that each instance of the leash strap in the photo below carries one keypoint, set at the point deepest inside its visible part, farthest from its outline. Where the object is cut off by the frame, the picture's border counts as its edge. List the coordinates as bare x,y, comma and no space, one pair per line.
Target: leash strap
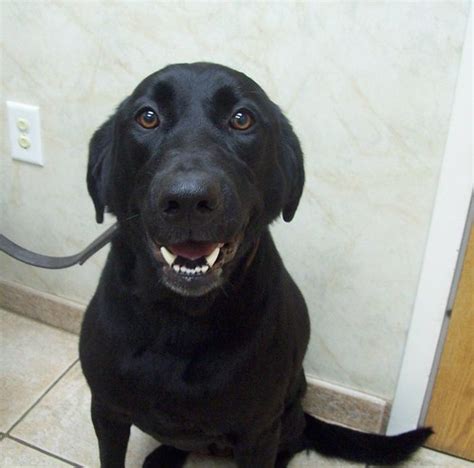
54,263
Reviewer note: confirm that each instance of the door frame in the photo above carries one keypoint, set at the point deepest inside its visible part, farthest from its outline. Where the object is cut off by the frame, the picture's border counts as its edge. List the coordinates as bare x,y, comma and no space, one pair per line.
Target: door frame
442,251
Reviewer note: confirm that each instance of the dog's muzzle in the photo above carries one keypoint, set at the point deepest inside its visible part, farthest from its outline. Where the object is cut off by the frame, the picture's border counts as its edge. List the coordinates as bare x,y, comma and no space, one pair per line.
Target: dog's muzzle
192,230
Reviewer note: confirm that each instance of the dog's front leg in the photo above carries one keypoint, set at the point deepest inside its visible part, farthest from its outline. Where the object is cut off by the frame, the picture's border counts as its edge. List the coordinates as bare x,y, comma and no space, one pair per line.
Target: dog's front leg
260,451
113,432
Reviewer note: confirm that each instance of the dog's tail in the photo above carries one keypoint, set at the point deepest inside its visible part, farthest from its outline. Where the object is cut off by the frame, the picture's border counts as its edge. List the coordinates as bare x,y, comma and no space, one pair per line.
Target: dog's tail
331,440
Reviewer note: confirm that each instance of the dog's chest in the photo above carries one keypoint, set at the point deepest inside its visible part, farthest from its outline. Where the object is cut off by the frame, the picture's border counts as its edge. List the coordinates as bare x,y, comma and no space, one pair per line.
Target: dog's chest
180,390
173,379
186,400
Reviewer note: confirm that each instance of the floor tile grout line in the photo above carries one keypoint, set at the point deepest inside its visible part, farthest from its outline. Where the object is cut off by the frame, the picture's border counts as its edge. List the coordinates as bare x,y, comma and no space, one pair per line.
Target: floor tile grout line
28,411
43,451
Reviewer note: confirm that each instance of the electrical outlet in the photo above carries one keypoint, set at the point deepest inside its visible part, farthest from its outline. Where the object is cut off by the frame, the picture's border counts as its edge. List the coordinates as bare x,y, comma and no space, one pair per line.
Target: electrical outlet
25,132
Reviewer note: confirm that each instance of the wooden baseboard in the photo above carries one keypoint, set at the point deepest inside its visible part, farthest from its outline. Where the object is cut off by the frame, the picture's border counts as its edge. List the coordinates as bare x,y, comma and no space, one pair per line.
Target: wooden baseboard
324,400
47,308
346,407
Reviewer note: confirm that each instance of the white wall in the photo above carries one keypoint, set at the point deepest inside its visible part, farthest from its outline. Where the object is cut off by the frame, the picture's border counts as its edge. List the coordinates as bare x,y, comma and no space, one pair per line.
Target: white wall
368,87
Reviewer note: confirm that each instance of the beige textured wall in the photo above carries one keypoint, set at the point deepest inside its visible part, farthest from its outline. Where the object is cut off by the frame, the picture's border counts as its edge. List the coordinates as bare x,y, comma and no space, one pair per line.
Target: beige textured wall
368,87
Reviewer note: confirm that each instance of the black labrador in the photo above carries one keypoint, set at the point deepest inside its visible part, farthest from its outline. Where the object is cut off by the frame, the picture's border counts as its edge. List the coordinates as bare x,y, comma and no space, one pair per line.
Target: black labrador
196,333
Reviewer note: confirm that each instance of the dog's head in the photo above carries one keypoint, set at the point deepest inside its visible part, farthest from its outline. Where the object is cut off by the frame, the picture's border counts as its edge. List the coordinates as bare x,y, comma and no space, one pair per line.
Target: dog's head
198,160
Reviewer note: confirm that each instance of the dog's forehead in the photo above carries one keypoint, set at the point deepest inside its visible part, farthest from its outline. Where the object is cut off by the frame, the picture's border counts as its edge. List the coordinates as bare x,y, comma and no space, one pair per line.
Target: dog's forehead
199,80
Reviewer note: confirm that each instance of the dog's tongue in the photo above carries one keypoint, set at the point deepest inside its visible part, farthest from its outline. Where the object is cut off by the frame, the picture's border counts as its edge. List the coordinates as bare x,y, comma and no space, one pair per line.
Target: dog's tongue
193,250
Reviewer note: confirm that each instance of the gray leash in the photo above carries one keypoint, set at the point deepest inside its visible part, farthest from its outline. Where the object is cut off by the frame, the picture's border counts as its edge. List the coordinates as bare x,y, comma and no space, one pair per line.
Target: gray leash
45,261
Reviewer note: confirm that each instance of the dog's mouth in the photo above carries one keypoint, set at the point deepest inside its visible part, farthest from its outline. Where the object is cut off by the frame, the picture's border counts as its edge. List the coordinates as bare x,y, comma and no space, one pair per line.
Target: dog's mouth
194,267
193,258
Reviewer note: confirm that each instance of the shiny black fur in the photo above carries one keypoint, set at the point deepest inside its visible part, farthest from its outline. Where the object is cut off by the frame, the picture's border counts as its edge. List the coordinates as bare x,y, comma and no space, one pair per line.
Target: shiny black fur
218,365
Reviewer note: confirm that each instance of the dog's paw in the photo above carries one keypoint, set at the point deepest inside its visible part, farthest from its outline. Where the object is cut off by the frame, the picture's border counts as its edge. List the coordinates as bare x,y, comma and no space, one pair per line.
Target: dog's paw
165,456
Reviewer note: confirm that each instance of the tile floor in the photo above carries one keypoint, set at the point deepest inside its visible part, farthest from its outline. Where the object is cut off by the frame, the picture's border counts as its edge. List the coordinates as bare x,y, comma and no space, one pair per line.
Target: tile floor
44,407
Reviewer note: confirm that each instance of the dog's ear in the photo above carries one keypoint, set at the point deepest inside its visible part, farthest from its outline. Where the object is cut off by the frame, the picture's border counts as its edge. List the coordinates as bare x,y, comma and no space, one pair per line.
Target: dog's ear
99,166
291,160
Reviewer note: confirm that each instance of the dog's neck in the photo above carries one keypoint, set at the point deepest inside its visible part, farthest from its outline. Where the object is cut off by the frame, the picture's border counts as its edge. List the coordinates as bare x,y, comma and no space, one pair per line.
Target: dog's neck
225,317
142,283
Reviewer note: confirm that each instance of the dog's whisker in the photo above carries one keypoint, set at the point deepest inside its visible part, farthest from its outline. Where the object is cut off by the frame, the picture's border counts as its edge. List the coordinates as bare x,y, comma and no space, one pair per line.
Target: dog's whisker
132,217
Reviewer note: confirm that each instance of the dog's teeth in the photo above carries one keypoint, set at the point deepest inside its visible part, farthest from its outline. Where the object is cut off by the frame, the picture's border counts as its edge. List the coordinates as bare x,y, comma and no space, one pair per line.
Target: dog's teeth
211,259
197,270
168,256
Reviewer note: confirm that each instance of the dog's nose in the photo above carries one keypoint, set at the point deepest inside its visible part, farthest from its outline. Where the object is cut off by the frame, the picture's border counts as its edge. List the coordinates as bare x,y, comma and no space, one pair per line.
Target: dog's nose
191,199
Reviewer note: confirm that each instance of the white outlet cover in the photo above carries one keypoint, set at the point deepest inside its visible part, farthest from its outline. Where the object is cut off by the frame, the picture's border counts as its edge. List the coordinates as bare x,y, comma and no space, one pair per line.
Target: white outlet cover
23,112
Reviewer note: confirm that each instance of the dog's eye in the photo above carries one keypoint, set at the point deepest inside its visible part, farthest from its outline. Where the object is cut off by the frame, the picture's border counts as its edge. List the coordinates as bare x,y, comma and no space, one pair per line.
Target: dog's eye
148,119
241,120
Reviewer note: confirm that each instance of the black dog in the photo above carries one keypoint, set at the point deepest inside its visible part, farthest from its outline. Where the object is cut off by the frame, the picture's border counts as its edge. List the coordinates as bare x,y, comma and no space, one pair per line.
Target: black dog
197,333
